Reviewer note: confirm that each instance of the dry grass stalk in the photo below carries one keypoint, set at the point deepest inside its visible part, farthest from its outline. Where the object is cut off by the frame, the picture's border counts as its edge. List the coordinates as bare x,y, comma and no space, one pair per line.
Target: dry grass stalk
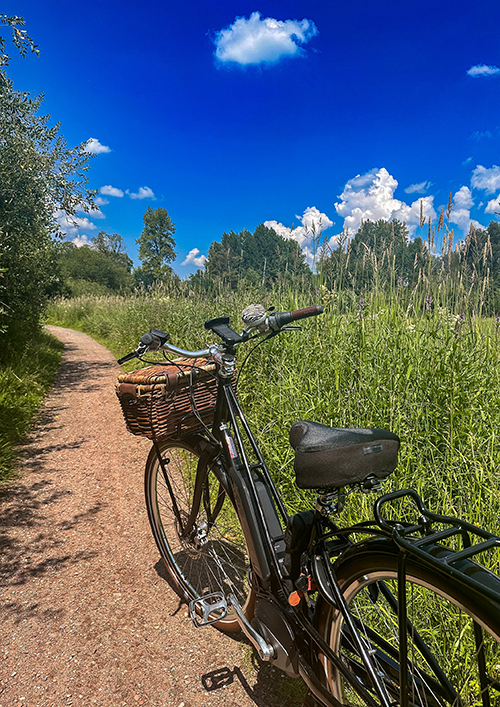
450,206
441,220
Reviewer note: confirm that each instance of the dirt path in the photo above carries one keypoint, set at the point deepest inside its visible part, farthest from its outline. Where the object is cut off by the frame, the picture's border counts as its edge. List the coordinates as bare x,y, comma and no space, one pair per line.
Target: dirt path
87,616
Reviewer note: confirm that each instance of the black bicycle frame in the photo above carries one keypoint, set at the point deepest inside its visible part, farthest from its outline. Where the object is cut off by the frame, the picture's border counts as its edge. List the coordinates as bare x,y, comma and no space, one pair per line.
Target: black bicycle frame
263,515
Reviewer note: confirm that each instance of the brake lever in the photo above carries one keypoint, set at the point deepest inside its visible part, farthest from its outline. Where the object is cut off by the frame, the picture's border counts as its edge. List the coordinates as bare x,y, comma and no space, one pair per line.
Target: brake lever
138,353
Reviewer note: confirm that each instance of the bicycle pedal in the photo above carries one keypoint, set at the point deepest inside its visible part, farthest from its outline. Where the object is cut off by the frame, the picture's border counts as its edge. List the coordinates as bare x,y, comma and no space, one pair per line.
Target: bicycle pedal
202,608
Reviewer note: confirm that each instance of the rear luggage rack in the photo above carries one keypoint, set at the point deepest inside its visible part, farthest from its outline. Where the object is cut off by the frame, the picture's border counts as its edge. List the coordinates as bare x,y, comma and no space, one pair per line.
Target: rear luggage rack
420,540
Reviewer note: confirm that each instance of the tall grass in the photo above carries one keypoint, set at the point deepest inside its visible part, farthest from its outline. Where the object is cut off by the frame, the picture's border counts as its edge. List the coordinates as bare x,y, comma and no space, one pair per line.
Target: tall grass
423,371
27,372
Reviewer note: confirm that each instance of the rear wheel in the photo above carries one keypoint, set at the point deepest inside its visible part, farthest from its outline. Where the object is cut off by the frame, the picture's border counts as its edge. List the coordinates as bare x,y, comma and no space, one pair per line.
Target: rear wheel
448,635
198,535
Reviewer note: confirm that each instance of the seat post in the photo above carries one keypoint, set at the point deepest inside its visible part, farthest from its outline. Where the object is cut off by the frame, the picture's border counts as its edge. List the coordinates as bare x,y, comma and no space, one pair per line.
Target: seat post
329,502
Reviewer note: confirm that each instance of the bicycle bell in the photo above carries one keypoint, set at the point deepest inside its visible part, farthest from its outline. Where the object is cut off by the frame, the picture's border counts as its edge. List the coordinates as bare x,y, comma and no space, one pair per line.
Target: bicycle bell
254,315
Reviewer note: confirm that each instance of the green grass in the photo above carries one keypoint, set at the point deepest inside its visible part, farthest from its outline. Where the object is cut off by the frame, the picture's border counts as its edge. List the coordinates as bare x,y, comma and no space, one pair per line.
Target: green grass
426,374
26,374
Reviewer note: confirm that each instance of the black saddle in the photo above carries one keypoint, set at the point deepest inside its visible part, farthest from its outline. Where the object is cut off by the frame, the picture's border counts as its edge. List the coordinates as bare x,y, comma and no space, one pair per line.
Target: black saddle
331,457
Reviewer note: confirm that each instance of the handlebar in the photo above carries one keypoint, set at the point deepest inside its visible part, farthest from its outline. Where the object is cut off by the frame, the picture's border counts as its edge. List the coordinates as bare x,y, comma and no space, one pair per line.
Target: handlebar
258,321
284,318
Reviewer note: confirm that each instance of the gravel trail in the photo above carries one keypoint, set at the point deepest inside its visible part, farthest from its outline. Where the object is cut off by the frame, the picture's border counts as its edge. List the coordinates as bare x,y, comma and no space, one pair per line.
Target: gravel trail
86,612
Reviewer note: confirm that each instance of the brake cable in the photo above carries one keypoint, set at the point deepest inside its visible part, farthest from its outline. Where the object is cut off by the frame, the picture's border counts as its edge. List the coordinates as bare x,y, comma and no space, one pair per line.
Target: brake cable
261,341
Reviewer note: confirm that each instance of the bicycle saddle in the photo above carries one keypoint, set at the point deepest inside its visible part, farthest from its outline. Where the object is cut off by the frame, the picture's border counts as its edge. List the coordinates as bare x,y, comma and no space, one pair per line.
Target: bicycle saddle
331,457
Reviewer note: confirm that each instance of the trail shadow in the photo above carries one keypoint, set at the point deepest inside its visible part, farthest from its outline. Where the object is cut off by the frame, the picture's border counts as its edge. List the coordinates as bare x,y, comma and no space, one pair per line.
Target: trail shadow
164,574
35,456
272,689
18,612
80,374
35,552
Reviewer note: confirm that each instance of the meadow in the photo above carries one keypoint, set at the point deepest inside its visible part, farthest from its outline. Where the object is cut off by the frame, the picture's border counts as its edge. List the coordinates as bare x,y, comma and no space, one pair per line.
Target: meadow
418,368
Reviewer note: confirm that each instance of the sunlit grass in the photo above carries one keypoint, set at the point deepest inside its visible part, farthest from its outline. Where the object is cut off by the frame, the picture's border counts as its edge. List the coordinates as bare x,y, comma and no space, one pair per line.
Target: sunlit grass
27,373
428,374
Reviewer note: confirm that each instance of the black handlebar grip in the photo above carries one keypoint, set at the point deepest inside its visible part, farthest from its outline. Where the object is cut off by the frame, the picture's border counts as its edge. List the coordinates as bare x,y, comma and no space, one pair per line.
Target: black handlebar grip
284,318
128,357
307,312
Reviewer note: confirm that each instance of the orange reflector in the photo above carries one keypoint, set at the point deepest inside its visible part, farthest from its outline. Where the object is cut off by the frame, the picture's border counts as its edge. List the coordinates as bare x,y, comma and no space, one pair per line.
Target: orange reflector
294,598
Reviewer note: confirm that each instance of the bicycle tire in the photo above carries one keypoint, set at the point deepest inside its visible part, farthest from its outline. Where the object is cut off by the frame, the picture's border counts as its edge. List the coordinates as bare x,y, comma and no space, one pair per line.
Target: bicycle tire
214,557
439,611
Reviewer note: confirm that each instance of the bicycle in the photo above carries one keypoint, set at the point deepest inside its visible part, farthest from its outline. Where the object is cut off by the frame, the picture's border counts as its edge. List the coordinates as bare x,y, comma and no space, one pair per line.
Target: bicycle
395,610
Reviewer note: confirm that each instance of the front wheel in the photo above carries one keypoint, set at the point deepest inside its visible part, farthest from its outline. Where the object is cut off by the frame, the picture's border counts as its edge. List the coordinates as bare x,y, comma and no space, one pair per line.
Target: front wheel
453,653
198,534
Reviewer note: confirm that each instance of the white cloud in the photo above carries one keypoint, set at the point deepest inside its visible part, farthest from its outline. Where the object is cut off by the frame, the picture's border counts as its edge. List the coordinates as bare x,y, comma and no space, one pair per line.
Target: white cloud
143,193
493,206
92,212
485,178
314,222
94,147
70,225
108,190
96,213
462,204
462,199
80,240
483,70
419,188
258,40
467,161
371,197
99,201
195,258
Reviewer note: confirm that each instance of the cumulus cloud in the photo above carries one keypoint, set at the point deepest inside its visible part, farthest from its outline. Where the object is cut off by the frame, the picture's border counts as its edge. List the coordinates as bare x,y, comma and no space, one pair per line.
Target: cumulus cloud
80,240
108,190
486,178
96,213
195,257
483,70
143,193
462,204
462,199
371,197
92,212
493,206
94,147
99,201
313,221
419,188
70,225
258,40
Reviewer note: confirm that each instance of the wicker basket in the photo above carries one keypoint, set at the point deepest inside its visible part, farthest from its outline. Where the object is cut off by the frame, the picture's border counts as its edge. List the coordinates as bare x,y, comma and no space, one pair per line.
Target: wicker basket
156,401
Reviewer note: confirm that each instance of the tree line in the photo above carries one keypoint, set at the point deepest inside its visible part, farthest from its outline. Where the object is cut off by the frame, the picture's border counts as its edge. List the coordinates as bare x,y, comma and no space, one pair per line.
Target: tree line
103,265
41,176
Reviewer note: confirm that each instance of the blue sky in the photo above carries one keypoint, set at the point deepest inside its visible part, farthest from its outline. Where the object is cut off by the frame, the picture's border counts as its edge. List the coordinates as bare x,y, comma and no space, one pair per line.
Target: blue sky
230,114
